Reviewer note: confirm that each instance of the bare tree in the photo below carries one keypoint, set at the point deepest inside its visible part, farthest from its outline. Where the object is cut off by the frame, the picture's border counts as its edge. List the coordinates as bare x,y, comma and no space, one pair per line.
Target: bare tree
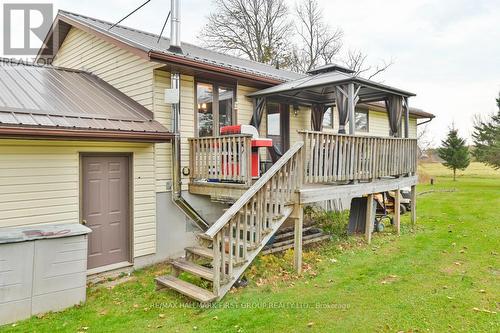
357,61
257,29
318,43
424,140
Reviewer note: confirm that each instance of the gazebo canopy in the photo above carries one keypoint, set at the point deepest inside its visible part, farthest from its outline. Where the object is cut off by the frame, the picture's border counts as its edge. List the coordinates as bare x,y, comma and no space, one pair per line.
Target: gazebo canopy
333,84
319,87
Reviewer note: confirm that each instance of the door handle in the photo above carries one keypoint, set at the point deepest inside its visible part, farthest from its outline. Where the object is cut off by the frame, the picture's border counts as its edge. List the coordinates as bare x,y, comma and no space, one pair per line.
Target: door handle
84,222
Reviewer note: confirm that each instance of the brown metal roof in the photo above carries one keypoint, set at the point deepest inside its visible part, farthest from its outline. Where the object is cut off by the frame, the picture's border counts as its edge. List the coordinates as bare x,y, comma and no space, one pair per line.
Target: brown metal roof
147,45
36,100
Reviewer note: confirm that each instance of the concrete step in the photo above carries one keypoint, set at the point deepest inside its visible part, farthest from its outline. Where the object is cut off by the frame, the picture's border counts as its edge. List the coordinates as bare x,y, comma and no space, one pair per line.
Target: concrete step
186,288
187,266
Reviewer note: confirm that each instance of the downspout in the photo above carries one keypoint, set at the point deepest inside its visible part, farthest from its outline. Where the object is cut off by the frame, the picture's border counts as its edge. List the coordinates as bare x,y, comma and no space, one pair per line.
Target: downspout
177,198
425,122
179,201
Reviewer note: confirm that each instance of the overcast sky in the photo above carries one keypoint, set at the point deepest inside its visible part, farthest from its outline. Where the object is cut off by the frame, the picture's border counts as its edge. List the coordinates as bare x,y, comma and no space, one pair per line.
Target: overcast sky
446,51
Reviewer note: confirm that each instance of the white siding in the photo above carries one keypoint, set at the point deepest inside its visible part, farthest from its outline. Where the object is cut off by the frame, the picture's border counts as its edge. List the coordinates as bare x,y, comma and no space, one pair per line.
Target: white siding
378,123
122,69
245,104
162,113
302,121
40,183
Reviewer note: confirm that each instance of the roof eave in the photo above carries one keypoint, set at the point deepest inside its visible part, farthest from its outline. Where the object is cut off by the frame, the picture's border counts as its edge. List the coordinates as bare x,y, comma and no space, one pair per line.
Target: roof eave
152,55
19,132
171,58
131,47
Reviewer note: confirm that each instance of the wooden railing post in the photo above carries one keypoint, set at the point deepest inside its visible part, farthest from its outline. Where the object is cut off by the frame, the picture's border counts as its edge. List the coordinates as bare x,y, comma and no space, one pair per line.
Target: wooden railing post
299,223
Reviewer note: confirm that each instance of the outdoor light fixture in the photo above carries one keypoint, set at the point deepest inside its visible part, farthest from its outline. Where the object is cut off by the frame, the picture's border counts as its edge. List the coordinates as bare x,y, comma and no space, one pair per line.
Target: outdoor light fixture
295,110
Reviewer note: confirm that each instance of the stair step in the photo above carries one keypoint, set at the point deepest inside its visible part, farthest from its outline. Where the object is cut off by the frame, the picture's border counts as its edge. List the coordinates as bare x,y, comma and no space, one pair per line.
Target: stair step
201,251
186,288
203,272
203,236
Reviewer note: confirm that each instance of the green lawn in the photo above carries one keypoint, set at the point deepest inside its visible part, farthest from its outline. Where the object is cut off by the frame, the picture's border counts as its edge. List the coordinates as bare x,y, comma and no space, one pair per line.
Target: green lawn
441,277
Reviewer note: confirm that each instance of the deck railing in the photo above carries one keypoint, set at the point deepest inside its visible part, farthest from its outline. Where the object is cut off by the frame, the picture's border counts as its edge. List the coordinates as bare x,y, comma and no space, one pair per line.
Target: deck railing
240,233
336,157
221,159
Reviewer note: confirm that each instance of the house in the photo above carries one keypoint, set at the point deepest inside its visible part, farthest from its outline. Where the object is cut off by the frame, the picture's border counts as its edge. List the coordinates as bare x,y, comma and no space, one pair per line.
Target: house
149,111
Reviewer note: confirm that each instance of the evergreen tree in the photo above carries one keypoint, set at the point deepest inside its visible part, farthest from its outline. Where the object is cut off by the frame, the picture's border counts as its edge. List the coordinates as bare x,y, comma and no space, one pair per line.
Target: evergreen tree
486,138
454,152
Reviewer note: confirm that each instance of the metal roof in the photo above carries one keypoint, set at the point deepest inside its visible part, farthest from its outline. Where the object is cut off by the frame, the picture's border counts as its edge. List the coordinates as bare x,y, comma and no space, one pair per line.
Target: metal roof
319,88
148,42
50,98
330,68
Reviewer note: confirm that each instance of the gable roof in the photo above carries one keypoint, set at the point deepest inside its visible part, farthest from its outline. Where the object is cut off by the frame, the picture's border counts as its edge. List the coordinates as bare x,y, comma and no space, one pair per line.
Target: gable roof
147,45
59,102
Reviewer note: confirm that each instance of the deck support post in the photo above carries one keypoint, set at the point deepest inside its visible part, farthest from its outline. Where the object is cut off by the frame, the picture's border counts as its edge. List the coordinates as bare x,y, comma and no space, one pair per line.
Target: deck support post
297,250
413,204
397,211
369,218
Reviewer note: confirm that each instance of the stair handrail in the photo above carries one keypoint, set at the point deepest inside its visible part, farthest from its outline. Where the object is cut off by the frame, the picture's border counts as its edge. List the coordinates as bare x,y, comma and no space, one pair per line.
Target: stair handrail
243,200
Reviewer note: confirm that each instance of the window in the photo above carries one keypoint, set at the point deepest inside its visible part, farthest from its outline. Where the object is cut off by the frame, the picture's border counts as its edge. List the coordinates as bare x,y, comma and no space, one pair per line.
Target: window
214,103
273,119
328,118
225,106
205,100
361,120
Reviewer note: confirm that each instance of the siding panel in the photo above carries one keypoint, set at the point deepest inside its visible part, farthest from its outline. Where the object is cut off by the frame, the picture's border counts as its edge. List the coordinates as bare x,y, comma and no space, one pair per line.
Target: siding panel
39,183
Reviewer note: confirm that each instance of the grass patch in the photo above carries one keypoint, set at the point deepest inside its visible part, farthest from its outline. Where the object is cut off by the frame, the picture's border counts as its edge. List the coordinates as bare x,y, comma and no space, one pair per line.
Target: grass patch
442,276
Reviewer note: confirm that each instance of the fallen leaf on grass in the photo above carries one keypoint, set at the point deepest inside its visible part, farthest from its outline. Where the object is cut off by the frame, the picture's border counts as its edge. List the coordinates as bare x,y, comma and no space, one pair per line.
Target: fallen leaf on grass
310,324
389,279
484,310
161,315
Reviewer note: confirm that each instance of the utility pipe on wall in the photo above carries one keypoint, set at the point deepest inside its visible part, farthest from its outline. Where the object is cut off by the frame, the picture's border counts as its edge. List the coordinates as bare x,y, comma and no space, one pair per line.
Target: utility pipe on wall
177,198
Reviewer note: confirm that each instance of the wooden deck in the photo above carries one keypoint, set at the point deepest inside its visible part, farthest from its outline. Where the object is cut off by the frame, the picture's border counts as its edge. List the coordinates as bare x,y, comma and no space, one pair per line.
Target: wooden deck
310,193
322,167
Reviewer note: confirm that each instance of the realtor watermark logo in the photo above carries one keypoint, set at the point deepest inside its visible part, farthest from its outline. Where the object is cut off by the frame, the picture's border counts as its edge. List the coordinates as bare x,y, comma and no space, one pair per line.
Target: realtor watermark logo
25,26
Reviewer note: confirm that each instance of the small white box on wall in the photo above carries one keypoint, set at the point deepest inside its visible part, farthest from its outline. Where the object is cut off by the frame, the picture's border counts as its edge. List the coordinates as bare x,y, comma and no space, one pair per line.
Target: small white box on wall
172,96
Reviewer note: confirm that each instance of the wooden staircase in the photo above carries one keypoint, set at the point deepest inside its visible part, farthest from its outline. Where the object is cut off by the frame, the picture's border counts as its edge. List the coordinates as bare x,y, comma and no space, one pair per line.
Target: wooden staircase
230,245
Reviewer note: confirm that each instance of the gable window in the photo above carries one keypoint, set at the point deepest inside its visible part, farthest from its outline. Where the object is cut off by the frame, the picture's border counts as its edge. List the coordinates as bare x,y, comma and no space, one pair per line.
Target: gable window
215,108
328,118
361,120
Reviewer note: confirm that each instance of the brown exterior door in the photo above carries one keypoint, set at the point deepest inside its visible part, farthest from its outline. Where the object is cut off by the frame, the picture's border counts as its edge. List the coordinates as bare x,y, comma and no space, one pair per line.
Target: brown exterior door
105,202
